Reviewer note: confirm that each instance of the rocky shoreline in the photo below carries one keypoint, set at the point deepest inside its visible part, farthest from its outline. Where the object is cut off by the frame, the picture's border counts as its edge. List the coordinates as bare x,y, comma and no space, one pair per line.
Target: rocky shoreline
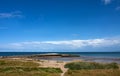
48,55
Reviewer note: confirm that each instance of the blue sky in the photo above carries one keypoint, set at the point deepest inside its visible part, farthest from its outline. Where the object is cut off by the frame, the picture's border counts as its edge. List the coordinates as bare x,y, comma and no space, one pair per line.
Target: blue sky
76,25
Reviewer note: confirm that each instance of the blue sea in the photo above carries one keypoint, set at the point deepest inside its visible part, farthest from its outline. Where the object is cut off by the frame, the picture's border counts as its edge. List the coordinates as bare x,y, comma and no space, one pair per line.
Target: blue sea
86,56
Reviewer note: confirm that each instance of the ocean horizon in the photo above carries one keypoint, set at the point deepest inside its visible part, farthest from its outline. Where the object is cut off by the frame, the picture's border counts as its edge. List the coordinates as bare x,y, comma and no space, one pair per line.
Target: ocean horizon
92,54
86,56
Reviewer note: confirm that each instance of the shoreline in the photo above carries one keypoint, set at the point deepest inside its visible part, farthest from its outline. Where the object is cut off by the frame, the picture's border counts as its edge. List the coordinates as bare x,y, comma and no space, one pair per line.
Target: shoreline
47,63
66,57
71,59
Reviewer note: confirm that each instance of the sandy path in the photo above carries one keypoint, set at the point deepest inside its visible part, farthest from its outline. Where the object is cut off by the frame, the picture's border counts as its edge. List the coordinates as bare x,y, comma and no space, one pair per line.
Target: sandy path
64,71
53,64
49,63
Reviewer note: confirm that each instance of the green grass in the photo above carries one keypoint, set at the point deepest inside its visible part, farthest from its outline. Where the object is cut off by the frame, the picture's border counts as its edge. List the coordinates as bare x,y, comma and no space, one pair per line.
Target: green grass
29,69
91,65
30,74
25,68
92,69
17,63
97,72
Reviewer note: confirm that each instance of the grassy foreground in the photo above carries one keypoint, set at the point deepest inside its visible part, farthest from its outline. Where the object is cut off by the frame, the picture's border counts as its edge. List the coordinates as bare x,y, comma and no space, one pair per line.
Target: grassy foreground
17,63
91,65
97,72
25,68
30,68
92,69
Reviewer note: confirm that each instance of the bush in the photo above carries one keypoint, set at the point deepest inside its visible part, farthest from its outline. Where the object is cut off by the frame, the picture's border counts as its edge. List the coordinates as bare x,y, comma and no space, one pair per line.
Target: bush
96,72
112,65
90,65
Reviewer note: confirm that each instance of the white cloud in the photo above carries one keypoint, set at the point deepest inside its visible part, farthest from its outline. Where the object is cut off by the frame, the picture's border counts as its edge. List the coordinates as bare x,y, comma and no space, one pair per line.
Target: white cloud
68,44
11,14
107,1
83,43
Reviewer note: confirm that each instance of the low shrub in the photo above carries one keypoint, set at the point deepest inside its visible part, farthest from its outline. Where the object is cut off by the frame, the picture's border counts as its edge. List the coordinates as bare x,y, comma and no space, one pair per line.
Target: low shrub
90,65
96,72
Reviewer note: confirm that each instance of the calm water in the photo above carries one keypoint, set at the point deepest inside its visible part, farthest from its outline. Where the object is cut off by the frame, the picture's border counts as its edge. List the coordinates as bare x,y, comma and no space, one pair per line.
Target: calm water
90,54
87,56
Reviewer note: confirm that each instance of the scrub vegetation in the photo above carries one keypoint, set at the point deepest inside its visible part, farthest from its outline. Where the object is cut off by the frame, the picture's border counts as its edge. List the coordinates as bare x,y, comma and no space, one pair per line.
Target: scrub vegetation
92,69
91,65
25,68
96,72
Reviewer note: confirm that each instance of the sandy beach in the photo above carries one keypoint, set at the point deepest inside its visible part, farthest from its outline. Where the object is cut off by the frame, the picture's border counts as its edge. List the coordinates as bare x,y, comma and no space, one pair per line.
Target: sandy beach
48,63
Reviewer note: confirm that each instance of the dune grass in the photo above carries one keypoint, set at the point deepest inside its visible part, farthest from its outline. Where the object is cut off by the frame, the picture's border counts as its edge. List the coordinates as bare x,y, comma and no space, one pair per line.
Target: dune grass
7,62
30,74
26,71
25,68
92,69
97,72
91,65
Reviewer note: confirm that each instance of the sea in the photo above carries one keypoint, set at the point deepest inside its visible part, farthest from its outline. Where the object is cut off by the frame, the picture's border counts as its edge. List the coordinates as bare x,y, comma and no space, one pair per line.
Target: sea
104,57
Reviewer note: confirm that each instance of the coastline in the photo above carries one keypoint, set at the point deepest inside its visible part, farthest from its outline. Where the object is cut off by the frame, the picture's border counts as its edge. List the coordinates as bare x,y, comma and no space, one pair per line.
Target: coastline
66,57
48,63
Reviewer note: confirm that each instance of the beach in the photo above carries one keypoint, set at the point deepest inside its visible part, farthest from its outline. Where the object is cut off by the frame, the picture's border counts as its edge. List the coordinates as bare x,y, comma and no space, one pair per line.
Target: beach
51,63
54,60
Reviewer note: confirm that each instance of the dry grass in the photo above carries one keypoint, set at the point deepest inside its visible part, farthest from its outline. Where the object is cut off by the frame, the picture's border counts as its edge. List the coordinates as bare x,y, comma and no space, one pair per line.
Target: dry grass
100,72
92,69
25,68
91,65
30,74
17,63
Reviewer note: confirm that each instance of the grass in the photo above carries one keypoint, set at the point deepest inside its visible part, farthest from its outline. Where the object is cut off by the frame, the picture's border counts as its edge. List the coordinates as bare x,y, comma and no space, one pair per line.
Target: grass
30,74
25,68
29,69
92,69
91,65
97,72
17,63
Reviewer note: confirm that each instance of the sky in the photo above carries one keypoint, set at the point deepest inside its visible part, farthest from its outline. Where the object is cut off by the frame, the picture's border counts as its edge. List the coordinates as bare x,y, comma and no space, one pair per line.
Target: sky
60,25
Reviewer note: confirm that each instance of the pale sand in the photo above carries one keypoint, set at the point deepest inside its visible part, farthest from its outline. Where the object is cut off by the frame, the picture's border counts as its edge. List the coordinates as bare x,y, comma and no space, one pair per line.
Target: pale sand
49,63
55,64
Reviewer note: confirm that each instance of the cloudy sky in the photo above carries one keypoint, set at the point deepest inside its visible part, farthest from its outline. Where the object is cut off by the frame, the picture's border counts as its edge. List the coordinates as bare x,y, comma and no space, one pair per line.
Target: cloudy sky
60,25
